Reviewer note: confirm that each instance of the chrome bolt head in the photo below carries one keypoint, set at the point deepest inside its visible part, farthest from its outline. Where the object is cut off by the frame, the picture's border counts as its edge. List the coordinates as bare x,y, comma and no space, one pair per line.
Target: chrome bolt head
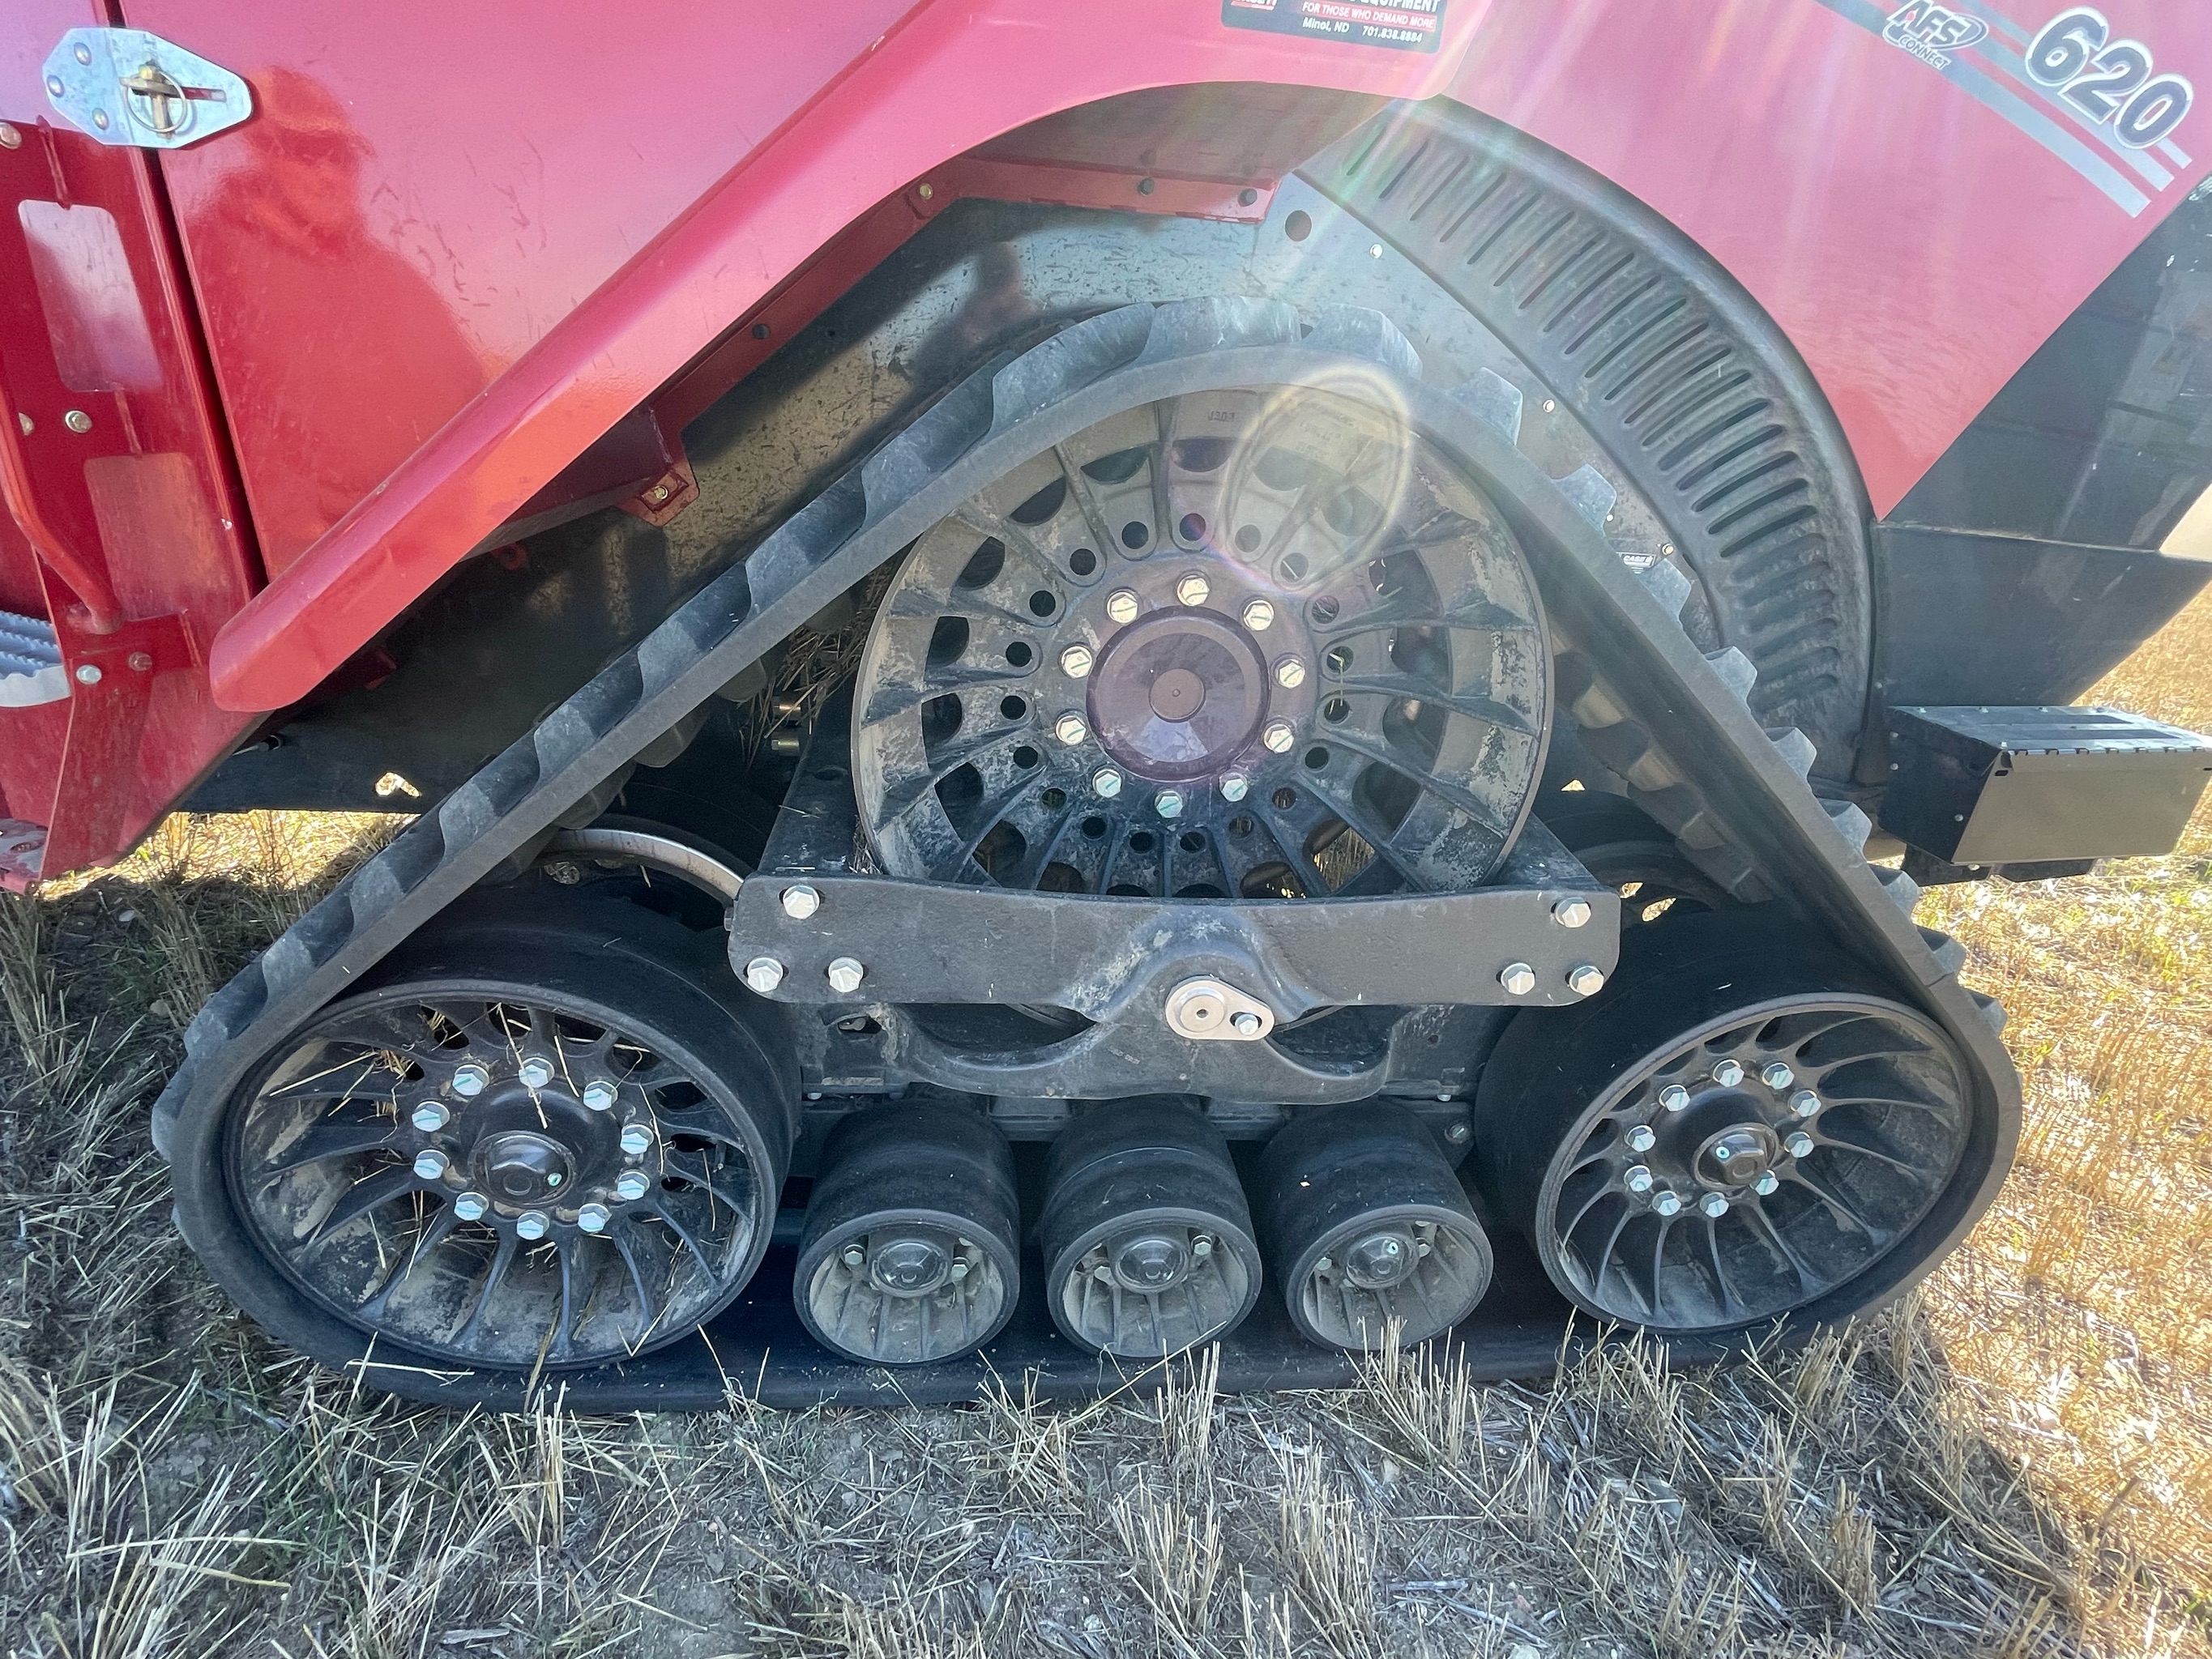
471,1206
1279,736
1193,589
630,1185
1518,978
1666,1203
594,1217
1798,1145
599,1095
1637,1178
637,1138
801,901
431,1165
77,421
1106,783
1290,673
1766,1183
1776,1076
1674,1097
1571,913
1324,1266
430,1117
1259,615
1805,1103
1201,1248
845,976
536,1071
855,1256
1641,1139
1727,1073
470,1079
1245,1024
1121,604
1075,661
1168,802
1585,979
1235,786
763,975
1070,729
1714,1206
532,1224
1457,1134
958,1270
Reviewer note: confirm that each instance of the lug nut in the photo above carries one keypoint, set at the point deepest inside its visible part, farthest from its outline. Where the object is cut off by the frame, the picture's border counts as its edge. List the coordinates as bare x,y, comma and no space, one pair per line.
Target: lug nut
1290,673
430,1117
1070,729
1667,1203
1191,589
1799,1145
845,976
1075,661
431,1165
1674,1097
536,1071
1727,1073
471,1206
1585,979
1168,802
1714,1206
1571,913
637,1138
1106,782
470,1079
532,1224
1637,1178
1280,736
1805,1103
630,1185
763,975
594,1217
801,901
1259,615
1245,1024
599,1095
1518,978
1121,604
1641,1138
1766,1183
1233,787
1776,1076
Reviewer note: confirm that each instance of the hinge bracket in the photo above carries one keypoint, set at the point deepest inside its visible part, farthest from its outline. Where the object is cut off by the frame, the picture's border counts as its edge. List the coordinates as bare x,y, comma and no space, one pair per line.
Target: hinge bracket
127,86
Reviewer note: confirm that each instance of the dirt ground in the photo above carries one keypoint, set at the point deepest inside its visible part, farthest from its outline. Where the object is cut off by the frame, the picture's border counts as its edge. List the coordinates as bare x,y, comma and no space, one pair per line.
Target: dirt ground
2017,1460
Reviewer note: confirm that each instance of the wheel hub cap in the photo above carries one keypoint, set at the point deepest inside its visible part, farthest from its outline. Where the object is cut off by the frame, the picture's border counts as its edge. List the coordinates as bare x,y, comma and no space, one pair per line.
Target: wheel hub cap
1380,1259
914,1265
1179,696
522,1167
1738,1155
1150,1263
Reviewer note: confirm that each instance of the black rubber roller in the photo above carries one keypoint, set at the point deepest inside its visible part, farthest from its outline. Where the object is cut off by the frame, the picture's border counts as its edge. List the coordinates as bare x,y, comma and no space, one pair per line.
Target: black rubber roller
911,1251
1366,1223
1147,1237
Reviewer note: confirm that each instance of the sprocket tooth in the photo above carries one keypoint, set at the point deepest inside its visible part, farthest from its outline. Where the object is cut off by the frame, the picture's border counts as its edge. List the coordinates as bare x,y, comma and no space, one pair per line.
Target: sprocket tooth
1737,671
1590,492
1494,399
1850,821
1947,951
1666,583
1992,1011
1795,747
1903,892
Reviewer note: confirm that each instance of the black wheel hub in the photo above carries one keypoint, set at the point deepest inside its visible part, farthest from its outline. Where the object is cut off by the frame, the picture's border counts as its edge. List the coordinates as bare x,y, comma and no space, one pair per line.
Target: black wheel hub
1181,694
522,1168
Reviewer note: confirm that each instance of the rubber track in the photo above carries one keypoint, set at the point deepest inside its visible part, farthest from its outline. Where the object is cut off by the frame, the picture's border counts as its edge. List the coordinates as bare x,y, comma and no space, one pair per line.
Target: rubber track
1738,796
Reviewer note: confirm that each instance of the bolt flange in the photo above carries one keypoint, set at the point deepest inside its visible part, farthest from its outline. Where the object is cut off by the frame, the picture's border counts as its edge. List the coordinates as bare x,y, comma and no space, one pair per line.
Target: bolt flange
1235,786
594,1217
1776,1076
632,1185
1070,729
1518,978
599,1095
1121,604
430,1117
801,901
1075,661
1168,802
1727,1073
1259,615
536,1071
1279,736
470,1079
845,975
431,1165
763,975
637,1138
532,1224
1193,589
1674,1097
1106,783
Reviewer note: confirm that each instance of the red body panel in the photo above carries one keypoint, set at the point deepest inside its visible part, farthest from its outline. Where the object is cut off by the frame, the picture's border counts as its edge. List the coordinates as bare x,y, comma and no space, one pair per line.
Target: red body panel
455,246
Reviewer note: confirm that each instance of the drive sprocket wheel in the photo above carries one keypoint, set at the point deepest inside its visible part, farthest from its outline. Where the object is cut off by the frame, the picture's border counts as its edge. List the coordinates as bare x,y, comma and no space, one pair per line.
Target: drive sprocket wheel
1259,643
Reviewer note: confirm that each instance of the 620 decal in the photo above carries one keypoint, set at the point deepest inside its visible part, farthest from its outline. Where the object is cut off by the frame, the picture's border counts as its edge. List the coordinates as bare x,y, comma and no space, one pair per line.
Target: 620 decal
2110,81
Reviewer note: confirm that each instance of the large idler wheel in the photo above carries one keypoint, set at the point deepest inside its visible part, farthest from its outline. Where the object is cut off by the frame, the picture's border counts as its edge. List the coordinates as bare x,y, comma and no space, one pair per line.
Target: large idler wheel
1146,1238
1741,1128
1366,1225
529,1146
911,1251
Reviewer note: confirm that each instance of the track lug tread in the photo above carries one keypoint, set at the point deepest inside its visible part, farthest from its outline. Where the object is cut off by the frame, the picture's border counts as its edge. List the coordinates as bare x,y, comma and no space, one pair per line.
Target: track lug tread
1903,892
1737,671
1590,493
1794,748
1850,821
1946,949
1666,583
1495,398
1992,1010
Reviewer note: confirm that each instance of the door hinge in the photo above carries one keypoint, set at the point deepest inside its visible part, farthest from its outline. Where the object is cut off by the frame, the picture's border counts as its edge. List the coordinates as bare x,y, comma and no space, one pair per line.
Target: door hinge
127,86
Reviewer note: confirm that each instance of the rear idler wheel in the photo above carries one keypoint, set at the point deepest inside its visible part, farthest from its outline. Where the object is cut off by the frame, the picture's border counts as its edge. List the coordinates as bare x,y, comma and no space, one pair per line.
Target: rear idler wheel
1147,1237
1366,1225
911,1251
1742,1127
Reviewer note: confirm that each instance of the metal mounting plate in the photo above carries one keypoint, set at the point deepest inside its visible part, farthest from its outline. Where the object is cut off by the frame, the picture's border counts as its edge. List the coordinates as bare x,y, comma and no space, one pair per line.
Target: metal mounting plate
130,88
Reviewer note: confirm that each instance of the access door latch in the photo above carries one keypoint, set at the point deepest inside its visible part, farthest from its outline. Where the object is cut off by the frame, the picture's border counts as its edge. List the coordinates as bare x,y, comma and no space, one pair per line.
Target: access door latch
127,86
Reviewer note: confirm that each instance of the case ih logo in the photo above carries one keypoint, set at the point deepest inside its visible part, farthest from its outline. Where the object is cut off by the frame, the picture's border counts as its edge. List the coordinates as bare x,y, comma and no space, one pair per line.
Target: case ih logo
1932,33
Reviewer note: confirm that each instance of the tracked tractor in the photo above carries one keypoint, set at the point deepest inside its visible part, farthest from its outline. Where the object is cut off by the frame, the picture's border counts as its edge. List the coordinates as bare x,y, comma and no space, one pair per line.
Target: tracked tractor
1074,681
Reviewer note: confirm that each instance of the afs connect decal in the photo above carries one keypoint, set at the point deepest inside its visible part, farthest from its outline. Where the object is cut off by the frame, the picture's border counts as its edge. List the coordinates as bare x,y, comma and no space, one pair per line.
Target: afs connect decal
1404,25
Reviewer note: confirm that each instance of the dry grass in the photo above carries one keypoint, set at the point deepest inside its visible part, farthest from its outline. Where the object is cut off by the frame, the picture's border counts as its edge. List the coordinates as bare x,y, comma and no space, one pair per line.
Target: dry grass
2016,1462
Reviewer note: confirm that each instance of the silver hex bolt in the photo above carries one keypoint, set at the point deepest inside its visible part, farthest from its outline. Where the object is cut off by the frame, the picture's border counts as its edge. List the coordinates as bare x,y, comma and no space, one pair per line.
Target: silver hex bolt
532,1224
594,1217
1121,604
1766,1183
1674,1097
1259,615
1075,661
1571,913
1727,1073
630,1185
1641,1139
430,1116
1235,786
1714,1206
1805,1103
845,976
1070,729
1279,736
1193,589
77,421
1585,979
1667,1203
1245,1024
536,1071
855,1256
1798,1145
1776,1076
1457,1134
1201,1247
763,974
1168,802
471,1206
637,1138
431,1165
1518,978
599,1095
801,901
1637,1178
470,1079
1290,673
1106,783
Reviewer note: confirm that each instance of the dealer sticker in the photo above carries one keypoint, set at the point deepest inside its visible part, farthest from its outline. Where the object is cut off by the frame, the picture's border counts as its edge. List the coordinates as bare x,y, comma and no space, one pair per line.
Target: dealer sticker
1404,25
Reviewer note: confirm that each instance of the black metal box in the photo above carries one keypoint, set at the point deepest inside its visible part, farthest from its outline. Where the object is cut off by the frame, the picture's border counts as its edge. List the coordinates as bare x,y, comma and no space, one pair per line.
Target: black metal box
1992,786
